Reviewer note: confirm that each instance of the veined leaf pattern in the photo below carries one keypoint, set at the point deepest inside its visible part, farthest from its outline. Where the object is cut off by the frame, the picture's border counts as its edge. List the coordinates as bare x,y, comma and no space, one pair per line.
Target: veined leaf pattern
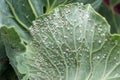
72,42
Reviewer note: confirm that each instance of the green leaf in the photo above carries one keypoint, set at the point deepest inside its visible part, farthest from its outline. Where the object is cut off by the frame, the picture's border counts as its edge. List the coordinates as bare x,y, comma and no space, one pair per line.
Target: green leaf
11,40
3,57
20,13
9,74
95,3
112,17
72,42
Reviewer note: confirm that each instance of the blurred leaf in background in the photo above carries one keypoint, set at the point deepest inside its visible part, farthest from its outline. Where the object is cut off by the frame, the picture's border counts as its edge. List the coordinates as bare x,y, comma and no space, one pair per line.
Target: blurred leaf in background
110,9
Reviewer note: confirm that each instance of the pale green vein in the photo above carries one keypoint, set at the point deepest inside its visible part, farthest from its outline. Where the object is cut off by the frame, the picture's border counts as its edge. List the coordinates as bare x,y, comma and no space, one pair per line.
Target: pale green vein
90,57
65,2
101,46
74,40
15,16
112,70
53,41
66,40
69,47
53,4
61,52
64,30
110,52
36,69
33,9
48,5
54,52
111,78
49,58
51,61
64,59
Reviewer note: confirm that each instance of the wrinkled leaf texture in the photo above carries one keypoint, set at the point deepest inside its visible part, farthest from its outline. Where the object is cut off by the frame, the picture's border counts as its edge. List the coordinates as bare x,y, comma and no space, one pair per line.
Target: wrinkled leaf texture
72,42
21,13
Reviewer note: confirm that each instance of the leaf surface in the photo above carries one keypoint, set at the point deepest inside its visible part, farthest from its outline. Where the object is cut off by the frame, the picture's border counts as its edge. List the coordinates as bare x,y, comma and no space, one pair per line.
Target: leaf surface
72,42
20,14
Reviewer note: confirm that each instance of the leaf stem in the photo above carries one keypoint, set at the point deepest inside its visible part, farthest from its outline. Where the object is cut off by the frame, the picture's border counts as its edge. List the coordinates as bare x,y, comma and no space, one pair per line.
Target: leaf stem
15,16
53,4
33,9
48,6
64,2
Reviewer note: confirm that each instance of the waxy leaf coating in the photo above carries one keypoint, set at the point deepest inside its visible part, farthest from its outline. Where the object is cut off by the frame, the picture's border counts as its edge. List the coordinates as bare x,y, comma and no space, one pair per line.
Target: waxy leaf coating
72,42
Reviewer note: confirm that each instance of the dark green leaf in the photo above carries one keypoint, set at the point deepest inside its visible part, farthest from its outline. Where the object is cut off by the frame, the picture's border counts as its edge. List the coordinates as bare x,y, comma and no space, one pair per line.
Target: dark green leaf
13,44
9,74
111,15
3,57
20,13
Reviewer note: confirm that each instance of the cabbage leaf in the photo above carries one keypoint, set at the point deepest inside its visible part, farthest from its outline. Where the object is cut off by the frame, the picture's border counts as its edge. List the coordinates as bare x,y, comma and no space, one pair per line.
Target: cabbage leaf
72,42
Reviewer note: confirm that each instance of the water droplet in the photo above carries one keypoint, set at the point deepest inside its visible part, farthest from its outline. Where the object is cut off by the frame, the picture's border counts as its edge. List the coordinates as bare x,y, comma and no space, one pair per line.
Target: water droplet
116,42
23,5
115,58
68,28
98,57
99,41
106,39
87,16
117,63
103,34
117,74
91,30
67,49
65,36
118,52
99,30
27,16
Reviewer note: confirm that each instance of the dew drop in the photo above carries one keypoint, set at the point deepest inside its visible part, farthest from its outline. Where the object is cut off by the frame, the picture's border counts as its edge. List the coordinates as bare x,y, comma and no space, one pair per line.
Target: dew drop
117,74
91,30
118,52
106,39
99,41
99,30
27,16
67,49
68,28
98,57
115,58
103,34
117,63
23,5
65,36
116,42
